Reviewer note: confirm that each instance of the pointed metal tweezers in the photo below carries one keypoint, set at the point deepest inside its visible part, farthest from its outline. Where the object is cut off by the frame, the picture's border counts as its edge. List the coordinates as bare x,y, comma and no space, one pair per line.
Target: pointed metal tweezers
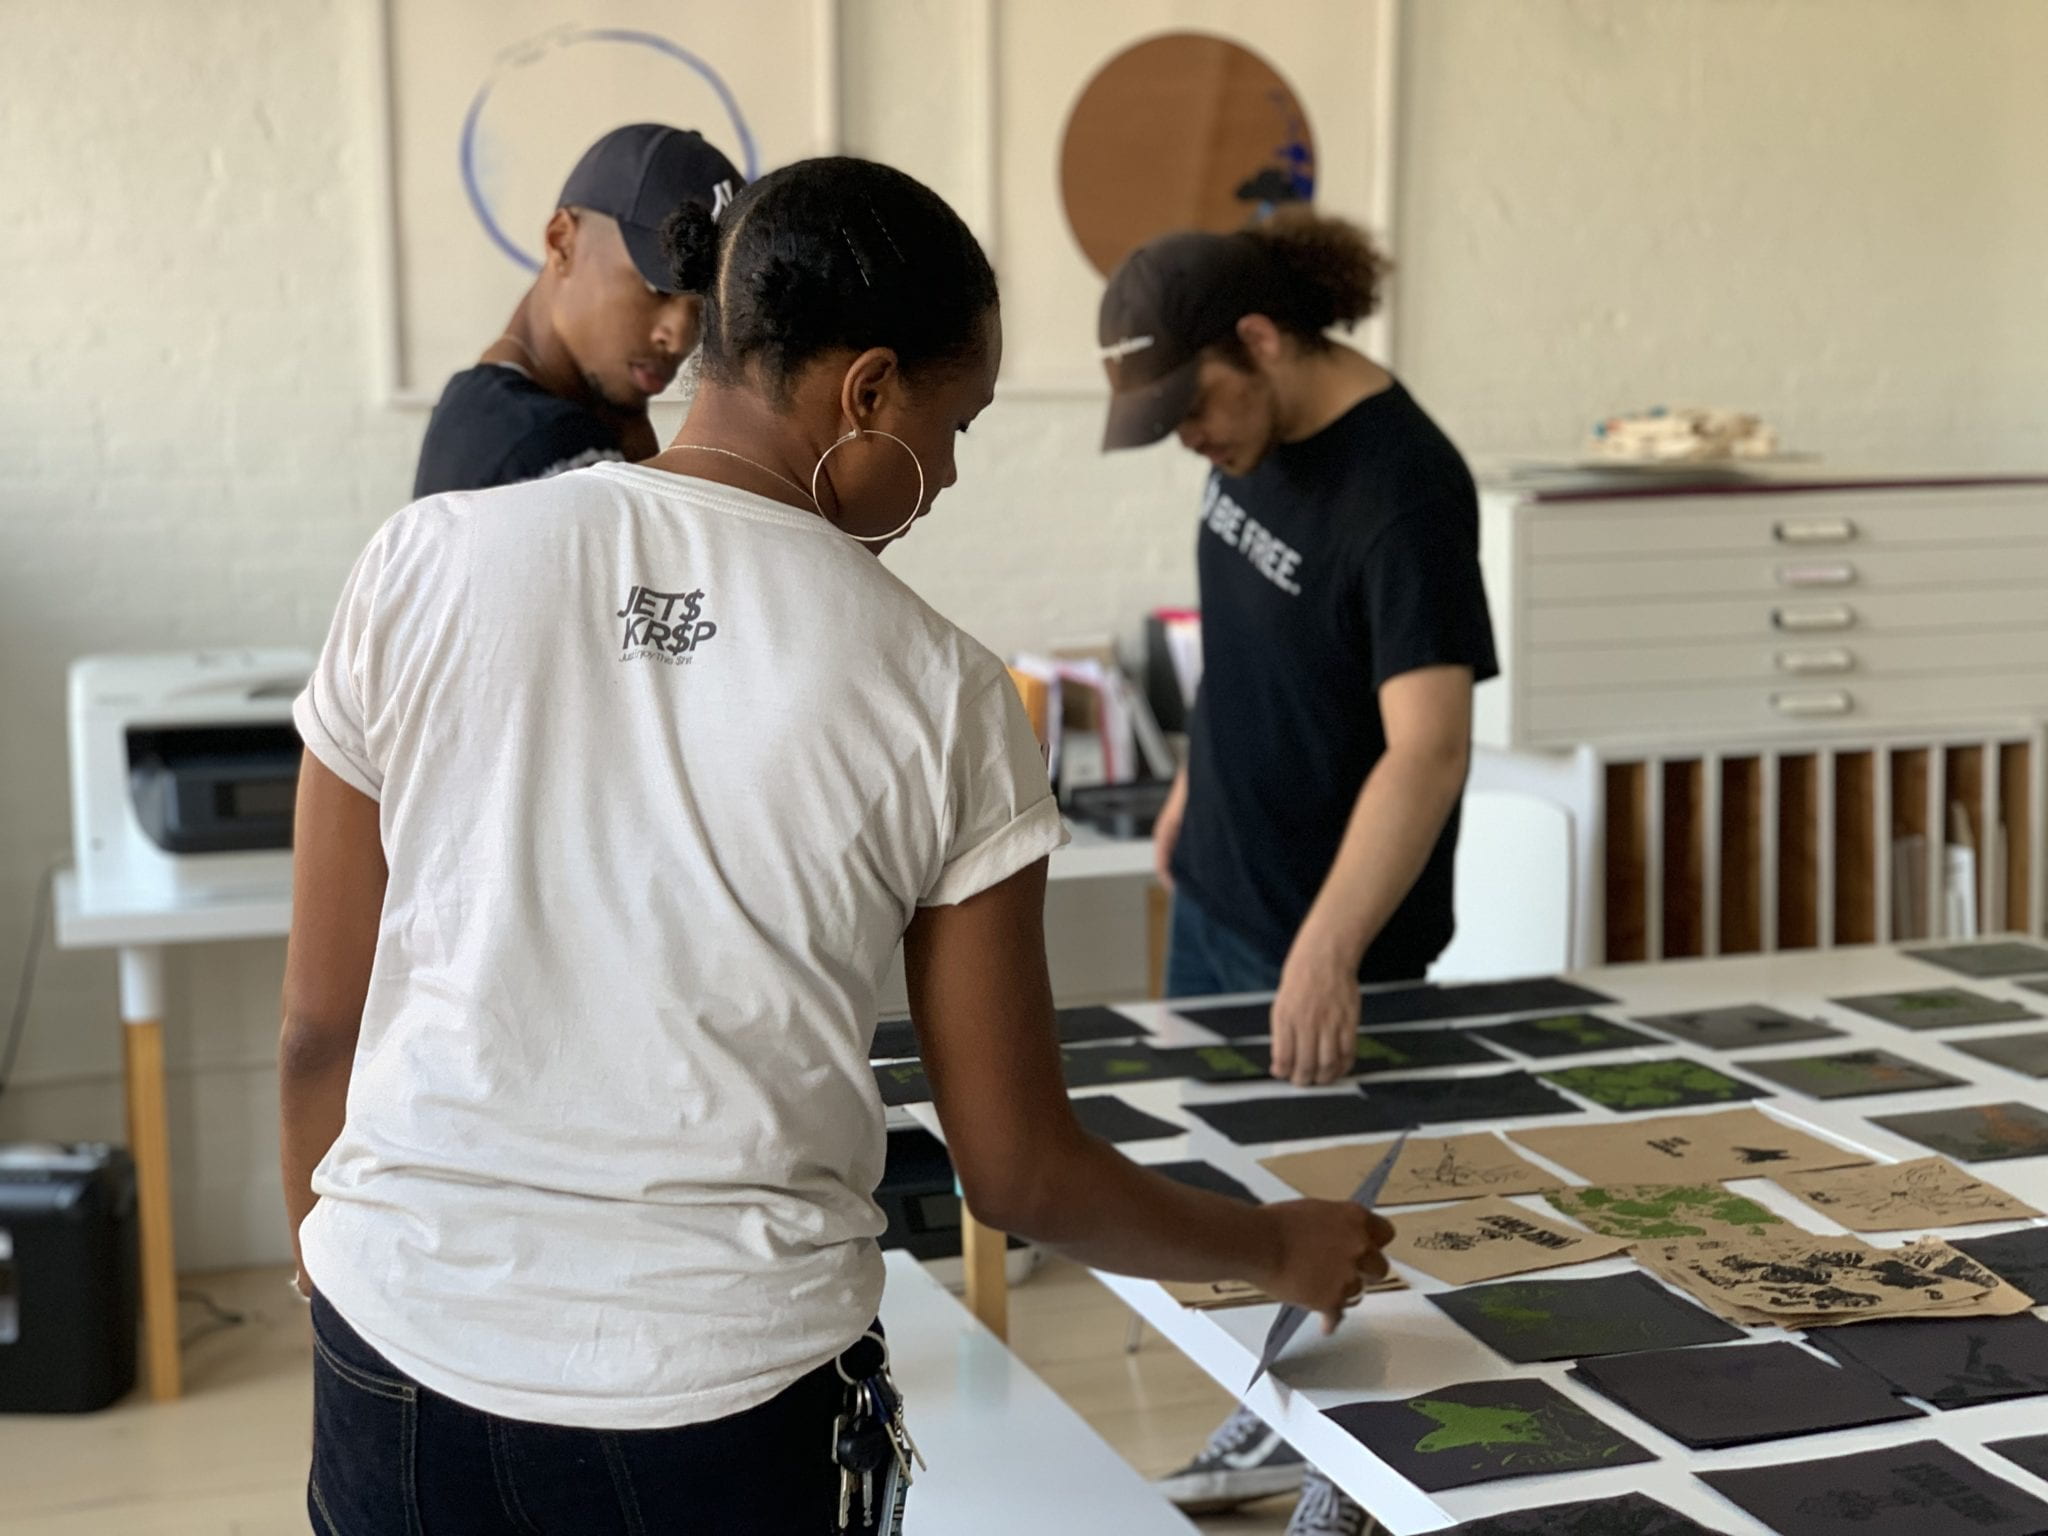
1291,1317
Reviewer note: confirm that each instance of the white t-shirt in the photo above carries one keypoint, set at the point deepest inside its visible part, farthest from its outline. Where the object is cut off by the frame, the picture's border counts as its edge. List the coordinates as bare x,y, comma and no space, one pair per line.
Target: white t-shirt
664,770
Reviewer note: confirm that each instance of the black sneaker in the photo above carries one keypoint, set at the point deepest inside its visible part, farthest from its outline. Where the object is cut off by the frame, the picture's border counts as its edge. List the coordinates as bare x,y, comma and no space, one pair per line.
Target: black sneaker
1325,1511
1244,1461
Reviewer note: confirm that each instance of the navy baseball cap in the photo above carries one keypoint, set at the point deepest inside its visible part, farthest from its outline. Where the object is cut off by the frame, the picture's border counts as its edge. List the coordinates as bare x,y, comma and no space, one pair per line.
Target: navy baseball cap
640,174
1171,298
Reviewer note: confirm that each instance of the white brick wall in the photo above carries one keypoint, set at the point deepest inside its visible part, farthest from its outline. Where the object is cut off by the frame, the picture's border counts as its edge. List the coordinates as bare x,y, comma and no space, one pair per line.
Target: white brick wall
1828,210
188,455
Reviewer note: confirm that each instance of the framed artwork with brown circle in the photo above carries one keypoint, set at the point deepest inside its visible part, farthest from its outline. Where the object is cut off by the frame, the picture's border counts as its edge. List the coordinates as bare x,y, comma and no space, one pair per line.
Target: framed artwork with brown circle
1114,123
1186,130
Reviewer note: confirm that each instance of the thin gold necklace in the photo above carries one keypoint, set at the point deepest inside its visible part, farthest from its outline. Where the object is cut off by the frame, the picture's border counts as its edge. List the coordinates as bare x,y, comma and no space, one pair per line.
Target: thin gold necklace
508,336
756,463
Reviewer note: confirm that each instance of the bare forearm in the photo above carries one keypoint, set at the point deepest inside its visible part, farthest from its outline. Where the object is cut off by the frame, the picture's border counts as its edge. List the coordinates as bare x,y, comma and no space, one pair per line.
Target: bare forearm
1399,816
313,1096
1095,1205
983,1005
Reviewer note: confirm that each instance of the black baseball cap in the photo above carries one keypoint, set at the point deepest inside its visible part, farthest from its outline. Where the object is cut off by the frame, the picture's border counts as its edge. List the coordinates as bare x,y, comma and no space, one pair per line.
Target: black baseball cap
1171,298
640,174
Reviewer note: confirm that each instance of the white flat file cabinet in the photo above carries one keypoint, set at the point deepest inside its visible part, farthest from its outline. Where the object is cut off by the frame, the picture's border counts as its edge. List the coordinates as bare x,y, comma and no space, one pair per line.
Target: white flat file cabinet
1788,680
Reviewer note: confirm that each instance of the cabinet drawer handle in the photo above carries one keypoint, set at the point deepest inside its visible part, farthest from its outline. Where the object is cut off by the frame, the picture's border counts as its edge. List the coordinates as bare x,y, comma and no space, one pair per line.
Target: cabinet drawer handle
1833,658
1836,574
1814,530
1832,616
1807,705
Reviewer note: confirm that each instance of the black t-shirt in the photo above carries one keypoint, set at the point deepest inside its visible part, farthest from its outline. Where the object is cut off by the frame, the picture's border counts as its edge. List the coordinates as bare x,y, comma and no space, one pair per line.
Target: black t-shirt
1340,562
495,426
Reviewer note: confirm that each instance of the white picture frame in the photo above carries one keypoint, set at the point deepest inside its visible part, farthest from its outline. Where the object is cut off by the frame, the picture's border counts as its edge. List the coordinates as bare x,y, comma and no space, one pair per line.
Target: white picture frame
1038,55
449,270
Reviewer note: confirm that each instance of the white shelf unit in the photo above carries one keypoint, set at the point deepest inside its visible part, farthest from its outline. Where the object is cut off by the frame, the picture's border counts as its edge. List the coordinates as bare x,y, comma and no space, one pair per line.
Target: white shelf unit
1784,678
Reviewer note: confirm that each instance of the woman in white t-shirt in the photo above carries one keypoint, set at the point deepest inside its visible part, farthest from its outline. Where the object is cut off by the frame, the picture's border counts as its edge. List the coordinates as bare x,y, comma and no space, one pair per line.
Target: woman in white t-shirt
622,789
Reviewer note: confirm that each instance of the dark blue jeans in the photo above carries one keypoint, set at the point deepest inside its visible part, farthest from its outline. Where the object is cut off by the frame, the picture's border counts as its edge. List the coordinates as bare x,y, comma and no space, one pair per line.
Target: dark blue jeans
1204,958
391,1458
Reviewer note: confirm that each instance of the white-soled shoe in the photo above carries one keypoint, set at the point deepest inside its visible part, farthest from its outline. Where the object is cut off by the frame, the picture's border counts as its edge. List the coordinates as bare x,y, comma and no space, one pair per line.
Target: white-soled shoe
1243,1462
1325,1511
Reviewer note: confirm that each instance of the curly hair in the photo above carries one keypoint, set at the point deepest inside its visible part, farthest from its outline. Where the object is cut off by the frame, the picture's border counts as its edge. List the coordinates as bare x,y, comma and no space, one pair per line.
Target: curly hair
1331,272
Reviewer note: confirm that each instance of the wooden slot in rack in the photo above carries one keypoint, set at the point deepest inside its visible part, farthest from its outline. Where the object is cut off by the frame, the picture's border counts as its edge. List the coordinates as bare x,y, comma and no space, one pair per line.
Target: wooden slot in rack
1742,855
1799,915
1745,853
1684,860
1913,885
1627,884
2018,774
1857,840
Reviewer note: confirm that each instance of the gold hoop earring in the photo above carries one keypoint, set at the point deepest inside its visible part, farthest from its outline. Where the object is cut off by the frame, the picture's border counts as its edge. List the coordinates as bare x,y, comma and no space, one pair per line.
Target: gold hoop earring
917,506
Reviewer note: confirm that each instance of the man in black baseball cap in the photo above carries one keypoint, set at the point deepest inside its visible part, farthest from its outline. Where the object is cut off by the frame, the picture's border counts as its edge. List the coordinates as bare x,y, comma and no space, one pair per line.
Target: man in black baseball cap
1167,305
602,330
1309,841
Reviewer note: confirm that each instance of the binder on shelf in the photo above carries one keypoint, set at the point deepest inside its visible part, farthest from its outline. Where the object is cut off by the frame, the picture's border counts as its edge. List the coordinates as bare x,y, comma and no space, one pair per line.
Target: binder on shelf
1038,683
1094,702
1173,665
1909,888
1959,882
1037,696
1153,751
1097,726
1996,879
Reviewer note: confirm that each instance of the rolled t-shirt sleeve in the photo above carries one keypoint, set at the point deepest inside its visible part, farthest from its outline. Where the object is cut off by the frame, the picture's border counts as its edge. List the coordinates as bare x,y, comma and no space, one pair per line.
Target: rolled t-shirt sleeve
333,712
1424,596
1000,814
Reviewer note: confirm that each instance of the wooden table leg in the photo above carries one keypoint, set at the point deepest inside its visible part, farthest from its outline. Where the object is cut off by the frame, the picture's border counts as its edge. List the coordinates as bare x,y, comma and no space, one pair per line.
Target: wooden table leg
149,1143
985,1252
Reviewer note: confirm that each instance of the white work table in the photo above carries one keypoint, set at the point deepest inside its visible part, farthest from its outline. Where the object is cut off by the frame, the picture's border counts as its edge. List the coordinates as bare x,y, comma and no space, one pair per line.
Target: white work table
1092,855
990,1430
1397,1344
139,932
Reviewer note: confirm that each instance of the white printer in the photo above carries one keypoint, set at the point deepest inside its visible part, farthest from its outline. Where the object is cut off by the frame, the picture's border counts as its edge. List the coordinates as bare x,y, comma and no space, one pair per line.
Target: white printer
184,770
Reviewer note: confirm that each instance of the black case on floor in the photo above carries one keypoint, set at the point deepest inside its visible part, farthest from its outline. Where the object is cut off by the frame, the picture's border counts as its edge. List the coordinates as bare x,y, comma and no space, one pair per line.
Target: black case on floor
68,1278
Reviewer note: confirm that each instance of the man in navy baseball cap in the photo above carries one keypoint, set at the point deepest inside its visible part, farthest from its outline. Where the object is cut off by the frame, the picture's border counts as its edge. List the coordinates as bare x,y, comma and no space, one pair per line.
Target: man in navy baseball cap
601,332
1311,840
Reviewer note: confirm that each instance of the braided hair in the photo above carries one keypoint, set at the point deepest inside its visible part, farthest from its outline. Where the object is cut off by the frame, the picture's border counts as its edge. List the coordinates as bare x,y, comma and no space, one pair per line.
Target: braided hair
830,254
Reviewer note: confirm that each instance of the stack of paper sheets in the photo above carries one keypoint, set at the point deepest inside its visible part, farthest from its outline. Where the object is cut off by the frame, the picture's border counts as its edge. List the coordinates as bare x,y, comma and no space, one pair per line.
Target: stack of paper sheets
1800,1280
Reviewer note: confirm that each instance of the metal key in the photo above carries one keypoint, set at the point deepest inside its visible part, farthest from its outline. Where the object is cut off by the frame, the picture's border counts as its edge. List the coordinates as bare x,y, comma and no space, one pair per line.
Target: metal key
860,1450
845,1473
880,1390
867,1473
893,1418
